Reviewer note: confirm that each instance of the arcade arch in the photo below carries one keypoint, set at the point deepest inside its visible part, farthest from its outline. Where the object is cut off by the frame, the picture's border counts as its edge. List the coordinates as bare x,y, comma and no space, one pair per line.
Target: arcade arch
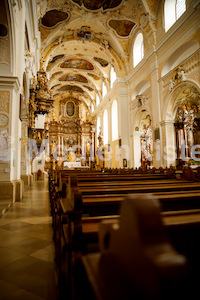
181,128
143,139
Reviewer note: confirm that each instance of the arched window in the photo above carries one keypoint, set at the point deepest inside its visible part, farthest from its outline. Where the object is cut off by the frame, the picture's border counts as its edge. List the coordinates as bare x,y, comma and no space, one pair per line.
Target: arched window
104,90
97,99
114,121
180,8
173,9
98,129
105,127
113,77
138,49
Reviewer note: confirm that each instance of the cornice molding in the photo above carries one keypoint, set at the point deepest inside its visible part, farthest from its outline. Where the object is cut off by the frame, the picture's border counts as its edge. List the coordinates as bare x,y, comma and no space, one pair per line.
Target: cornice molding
167,122
178,27
169,35
9,82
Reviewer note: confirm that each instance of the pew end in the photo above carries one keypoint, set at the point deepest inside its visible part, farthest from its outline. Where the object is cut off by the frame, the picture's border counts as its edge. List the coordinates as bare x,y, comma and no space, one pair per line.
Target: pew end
136,259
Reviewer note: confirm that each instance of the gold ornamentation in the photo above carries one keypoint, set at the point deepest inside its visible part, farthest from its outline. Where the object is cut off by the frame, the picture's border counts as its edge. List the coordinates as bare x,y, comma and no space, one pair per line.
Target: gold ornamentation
4,49
3,120
178,77
24,141
4,101
42,94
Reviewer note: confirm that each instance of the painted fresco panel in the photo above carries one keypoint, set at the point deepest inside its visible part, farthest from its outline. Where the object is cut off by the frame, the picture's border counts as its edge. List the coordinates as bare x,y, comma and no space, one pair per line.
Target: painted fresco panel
77,64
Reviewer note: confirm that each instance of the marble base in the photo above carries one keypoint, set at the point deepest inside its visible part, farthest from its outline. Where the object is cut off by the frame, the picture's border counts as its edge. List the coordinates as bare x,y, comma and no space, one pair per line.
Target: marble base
30,179
35,176
7,191
19,189
25,179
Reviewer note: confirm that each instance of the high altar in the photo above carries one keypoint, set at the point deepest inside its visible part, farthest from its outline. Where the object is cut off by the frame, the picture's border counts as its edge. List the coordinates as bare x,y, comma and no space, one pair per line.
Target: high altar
68,127
72,133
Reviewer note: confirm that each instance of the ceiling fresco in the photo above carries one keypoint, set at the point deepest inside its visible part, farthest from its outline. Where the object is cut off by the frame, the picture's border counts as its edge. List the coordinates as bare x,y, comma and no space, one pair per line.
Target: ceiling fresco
122,27
102,62
94,76
53,17
53,61
89,88
77,64
71,88
82,39
56,85
56,74
73,77
55,58
98,4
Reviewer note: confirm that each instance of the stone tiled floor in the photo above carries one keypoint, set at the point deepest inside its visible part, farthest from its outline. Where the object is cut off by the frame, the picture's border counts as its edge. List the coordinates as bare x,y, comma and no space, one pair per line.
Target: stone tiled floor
27,269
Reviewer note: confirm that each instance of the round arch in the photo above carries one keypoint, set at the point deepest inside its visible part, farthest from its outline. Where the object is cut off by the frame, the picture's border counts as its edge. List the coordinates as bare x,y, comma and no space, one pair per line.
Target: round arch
139,114
180,123
7,44
141,88
109,53
142,138
169,109
179,56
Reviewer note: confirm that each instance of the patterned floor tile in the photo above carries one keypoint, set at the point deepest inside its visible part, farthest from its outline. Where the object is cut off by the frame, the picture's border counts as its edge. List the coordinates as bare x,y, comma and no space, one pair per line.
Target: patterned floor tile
27,269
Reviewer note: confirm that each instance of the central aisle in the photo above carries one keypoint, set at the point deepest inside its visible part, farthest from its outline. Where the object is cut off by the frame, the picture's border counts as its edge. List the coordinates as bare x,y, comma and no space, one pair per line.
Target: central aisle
27,269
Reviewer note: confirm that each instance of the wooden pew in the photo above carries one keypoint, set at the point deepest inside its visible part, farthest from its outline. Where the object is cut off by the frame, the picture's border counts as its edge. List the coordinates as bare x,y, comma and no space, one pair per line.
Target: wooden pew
103,185
136,258
105,201
100,200
183,221
83,179
57,187
73,234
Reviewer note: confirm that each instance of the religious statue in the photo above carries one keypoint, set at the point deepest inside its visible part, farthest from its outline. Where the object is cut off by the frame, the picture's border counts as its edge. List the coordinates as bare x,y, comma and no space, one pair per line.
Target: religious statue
180,113
87,146
141,100
100,138
180,74
171,84
71,155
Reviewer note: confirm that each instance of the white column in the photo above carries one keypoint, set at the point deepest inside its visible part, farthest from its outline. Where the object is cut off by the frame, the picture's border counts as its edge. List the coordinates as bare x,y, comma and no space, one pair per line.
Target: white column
62,145
100,115
83,145
92,150
59,144
123,111
136,149
109,133
168,147
9,94
156,112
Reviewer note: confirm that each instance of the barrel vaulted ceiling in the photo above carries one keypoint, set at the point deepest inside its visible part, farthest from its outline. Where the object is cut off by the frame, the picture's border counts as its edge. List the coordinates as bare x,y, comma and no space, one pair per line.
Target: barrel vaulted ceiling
82,39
